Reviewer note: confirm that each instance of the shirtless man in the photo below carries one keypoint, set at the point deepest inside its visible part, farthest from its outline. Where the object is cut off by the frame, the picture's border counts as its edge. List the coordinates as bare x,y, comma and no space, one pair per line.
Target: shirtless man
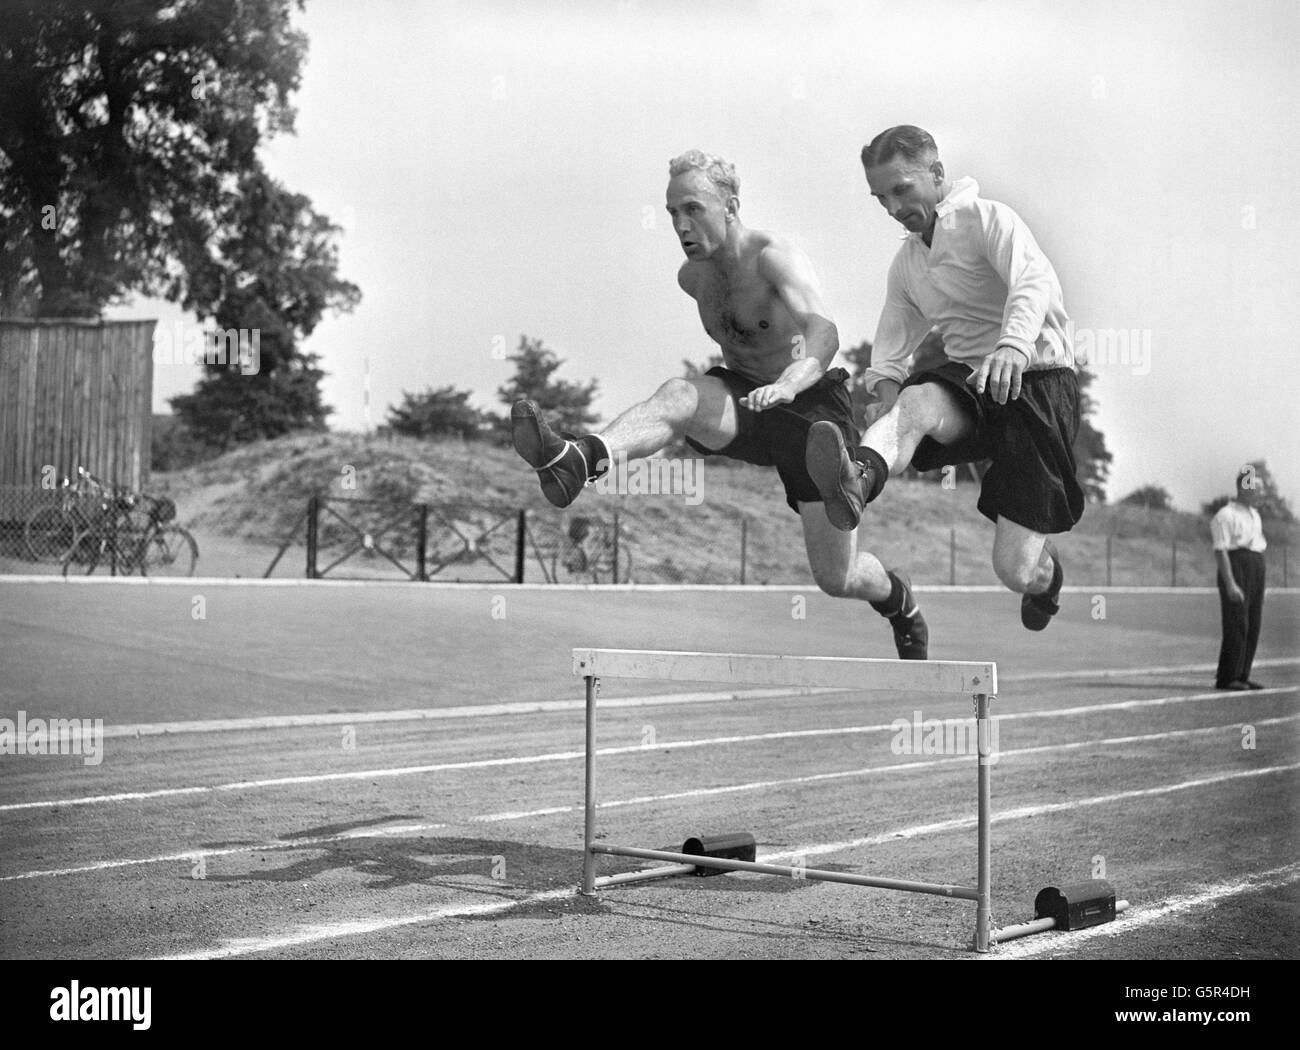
761,302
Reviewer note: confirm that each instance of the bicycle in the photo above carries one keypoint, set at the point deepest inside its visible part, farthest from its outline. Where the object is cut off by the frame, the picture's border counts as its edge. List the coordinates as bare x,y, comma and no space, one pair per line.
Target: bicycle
49,532
587,555
131,534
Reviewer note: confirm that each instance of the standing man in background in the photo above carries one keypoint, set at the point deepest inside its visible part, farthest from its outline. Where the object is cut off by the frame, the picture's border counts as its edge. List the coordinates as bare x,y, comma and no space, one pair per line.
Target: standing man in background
1239,545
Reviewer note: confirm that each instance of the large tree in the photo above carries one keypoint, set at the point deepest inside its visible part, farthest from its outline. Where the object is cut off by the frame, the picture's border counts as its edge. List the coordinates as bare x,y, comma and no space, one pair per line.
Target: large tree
129,132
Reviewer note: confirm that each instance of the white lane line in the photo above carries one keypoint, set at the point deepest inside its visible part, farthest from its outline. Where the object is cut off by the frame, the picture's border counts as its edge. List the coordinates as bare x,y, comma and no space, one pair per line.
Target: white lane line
509,586
1125,672
508,815
1025,812
527,707
1137,918
632,749
312,934
522,707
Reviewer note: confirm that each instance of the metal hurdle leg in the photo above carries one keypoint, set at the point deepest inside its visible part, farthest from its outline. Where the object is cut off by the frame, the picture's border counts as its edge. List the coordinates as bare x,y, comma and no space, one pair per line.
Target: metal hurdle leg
984,883
588,857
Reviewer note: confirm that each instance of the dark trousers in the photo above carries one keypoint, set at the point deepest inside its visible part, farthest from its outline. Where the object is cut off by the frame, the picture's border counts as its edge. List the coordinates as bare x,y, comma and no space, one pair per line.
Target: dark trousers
1241,619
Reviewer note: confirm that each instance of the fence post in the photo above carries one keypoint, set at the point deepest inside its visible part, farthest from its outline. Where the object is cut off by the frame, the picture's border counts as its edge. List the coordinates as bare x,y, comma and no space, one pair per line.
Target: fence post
519,546
744,546
1284,546
313,527
422,543
1109,537
615,568
1173,563
952,556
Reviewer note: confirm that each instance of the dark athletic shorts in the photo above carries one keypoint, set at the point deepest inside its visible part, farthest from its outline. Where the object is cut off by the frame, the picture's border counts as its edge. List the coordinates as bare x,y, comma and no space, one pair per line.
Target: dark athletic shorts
1030,442
778,436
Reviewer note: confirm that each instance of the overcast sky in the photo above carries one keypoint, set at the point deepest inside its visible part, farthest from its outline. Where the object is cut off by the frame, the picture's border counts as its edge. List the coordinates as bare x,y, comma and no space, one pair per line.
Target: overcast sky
499,169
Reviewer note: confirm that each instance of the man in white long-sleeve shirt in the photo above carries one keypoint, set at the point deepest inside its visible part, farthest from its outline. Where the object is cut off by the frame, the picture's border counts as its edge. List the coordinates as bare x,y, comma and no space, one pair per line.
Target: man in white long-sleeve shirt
1239,545
1008,391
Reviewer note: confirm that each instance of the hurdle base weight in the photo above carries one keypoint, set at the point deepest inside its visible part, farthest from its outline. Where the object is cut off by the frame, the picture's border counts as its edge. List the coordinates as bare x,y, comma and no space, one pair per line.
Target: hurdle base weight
1073,907
738,845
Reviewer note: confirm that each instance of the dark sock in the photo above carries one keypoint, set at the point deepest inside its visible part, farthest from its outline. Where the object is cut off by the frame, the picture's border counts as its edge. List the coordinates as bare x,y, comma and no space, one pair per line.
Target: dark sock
879,469
597,455
893,605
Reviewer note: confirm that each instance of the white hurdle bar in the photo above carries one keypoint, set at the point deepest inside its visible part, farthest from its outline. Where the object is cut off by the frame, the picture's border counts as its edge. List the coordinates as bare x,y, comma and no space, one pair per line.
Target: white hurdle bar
974,679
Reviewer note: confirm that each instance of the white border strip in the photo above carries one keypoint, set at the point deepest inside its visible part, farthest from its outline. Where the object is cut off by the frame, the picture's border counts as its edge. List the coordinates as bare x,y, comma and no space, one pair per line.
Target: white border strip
509,585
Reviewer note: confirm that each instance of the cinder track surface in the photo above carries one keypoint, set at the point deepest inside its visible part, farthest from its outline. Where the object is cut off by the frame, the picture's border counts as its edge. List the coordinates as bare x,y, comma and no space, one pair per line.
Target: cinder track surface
291,814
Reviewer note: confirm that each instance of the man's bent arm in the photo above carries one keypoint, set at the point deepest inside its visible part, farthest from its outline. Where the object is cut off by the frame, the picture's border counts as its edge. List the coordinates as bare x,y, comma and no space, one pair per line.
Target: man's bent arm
813,349
900,331
1031,282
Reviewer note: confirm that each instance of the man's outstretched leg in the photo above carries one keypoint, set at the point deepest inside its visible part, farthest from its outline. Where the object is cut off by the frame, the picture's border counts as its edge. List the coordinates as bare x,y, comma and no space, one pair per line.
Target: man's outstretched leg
1027,562
842,571
850,479
700,408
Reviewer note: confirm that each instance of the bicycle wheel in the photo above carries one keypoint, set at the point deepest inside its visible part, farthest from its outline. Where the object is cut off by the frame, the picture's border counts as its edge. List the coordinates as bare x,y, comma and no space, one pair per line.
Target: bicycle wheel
49,534
170,551
86,552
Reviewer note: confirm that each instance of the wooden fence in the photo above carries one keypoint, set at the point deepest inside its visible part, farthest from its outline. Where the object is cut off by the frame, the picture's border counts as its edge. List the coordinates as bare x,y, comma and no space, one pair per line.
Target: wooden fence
73,393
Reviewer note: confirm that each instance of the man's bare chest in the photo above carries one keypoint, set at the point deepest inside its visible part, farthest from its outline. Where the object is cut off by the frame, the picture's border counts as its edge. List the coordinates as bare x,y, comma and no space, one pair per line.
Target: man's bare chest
740,312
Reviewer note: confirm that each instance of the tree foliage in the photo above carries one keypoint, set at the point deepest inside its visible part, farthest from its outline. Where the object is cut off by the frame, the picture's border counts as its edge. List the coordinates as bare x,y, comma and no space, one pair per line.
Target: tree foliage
436,412
1091,457
564,405
129,132
1152,497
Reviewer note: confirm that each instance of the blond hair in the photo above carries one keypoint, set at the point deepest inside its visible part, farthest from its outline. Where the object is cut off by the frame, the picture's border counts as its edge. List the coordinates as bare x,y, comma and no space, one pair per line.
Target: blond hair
718,171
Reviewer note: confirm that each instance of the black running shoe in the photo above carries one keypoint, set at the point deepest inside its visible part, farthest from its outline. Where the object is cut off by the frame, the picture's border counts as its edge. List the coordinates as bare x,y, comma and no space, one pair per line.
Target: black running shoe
842,482
911,633
1037,610
561,467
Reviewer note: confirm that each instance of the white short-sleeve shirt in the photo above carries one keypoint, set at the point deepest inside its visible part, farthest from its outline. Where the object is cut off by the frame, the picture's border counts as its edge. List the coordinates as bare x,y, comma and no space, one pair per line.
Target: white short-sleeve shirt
1237,527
